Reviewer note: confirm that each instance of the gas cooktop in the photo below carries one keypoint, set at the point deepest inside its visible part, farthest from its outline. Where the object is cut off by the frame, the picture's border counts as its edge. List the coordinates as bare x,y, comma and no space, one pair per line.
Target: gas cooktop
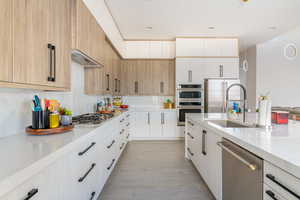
91,118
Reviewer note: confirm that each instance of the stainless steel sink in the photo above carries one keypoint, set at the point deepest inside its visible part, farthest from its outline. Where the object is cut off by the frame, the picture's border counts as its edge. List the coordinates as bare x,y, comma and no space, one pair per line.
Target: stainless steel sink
232,124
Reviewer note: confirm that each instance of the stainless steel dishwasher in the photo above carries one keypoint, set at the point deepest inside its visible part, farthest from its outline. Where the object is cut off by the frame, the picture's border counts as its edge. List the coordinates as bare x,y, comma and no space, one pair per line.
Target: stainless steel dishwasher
242,173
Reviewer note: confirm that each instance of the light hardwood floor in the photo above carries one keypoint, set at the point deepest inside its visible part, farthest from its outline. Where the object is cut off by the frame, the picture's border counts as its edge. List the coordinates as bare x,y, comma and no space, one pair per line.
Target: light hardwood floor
155,171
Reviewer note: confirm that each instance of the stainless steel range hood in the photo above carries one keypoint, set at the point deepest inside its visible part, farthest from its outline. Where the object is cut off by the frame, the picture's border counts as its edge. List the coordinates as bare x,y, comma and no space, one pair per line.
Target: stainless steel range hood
83,59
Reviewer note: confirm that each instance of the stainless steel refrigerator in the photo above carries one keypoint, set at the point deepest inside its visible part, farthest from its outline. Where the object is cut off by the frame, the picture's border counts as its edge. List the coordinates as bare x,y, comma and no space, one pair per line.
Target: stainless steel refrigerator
215,94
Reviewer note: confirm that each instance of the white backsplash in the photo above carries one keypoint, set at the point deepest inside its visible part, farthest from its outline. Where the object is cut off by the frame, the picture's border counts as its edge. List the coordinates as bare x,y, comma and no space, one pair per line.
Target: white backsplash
146,101
16,104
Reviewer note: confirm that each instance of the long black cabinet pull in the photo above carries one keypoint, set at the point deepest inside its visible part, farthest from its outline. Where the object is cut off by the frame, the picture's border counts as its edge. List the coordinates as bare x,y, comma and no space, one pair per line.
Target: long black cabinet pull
122,131
122,120
50,78
87,173
273,179
112,143
121,147
190,135
127,136
54,63
271,194
203,142
119,81
111,164
86,150
127,124
107,78
189,150
31,193
93,194
116,85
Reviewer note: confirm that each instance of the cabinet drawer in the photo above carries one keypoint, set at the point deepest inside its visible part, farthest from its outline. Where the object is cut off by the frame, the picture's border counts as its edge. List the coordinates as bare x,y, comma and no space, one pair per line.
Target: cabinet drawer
282,182
270,194
33,189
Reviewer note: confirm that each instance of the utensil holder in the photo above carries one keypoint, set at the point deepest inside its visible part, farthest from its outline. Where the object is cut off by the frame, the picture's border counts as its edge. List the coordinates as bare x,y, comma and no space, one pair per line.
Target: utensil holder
40,119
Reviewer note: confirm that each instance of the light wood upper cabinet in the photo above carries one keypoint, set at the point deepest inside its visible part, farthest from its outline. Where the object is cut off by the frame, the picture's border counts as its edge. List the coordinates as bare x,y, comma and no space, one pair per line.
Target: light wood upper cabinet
36,25
88,36
60,28
148,77
31,31
6,64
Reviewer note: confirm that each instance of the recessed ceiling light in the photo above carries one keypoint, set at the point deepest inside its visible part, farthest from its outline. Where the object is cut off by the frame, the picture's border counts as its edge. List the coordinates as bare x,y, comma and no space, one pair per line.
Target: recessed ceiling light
148,28
272,27
211,27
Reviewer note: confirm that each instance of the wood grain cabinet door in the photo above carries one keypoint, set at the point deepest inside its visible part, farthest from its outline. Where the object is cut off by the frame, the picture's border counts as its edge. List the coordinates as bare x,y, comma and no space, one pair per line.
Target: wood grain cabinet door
160,73
31,53
60,29
6,58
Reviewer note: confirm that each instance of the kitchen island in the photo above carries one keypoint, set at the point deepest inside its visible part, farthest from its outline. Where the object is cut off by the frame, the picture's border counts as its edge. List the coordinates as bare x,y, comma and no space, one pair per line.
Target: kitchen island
279,147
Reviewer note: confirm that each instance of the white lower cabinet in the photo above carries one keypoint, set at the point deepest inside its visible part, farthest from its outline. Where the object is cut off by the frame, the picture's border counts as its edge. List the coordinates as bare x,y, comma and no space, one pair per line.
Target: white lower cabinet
155,125
81,173
206,155
283,184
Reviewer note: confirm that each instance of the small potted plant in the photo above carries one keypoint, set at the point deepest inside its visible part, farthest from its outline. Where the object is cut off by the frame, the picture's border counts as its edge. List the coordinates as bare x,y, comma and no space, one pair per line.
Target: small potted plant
169,104
66,116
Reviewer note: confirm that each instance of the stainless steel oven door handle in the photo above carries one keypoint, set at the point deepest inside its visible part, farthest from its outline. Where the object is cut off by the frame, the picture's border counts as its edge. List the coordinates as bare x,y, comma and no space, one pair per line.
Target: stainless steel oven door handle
253,167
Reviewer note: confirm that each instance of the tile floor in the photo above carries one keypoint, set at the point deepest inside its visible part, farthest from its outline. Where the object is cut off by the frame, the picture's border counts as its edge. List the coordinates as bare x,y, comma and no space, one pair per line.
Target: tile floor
155,171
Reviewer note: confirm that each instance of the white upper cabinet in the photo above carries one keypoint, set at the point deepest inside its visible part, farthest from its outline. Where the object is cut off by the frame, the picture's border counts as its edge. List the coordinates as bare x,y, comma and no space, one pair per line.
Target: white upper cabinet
207,47
137,49
150,49
190,47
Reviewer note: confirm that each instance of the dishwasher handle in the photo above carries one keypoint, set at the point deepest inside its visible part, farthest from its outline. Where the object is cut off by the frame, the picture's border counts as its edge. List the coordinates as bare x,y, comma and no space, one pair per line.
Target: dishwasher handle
253,167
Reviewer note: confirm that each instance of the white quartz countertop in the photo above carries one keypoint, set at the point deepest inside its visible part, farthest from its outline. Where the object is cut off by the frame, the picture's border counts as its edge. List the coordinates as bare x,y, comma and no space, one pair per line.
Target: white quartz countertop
279,145
22,155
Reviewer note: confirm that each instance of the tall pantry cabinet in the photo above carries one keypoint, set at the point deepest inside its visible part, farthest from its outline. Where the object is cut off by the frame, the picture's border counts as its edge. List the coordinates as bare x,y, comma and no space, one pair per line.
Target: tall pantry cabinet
42,42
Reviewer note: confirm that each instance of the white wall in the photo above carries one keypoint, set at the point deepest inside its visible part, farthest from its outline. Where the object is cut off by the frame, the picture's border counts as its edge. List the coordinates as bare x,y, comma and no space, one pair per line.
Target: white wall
276,74
249,78
15,104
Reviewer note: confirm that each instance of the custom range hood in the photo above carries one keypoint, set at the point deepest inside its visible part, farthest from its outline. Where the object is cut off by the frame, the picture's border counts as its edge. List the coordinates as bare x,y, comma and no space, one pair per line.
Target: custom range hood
83,59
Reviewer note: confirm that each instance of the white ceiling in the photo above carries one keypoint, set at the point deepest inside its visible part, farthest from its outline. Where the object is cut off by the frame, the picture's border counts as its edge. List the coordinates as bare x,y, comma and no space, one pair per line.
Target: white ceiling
170,18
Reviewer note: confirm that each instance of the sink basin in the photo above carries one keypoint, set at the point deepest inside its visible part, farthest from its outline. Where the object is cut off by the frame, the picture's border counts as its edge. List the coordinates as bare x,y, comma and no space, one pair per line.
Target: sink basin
232,124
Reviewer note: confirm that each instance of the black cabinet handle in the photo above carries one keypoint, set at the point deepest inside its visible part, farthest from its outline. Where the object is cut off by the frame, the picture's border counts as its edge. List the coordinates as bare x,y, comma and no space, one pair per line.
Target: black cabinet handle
50,78
112,143
87,173
128,115
271,194
107,78
127,136
54,63
88,148
122,131
190,135
92,195
111,164
116,85
190,152
121,147
122,120
203,142
127,124
273,179
136,87
31,193
119,86
191,123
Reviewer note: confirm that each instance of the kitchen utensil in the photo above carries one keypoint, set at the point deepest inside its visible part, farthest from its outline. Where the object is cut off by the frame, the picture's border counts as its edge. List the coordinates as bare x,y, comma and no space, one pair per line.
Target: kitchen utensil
280,117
